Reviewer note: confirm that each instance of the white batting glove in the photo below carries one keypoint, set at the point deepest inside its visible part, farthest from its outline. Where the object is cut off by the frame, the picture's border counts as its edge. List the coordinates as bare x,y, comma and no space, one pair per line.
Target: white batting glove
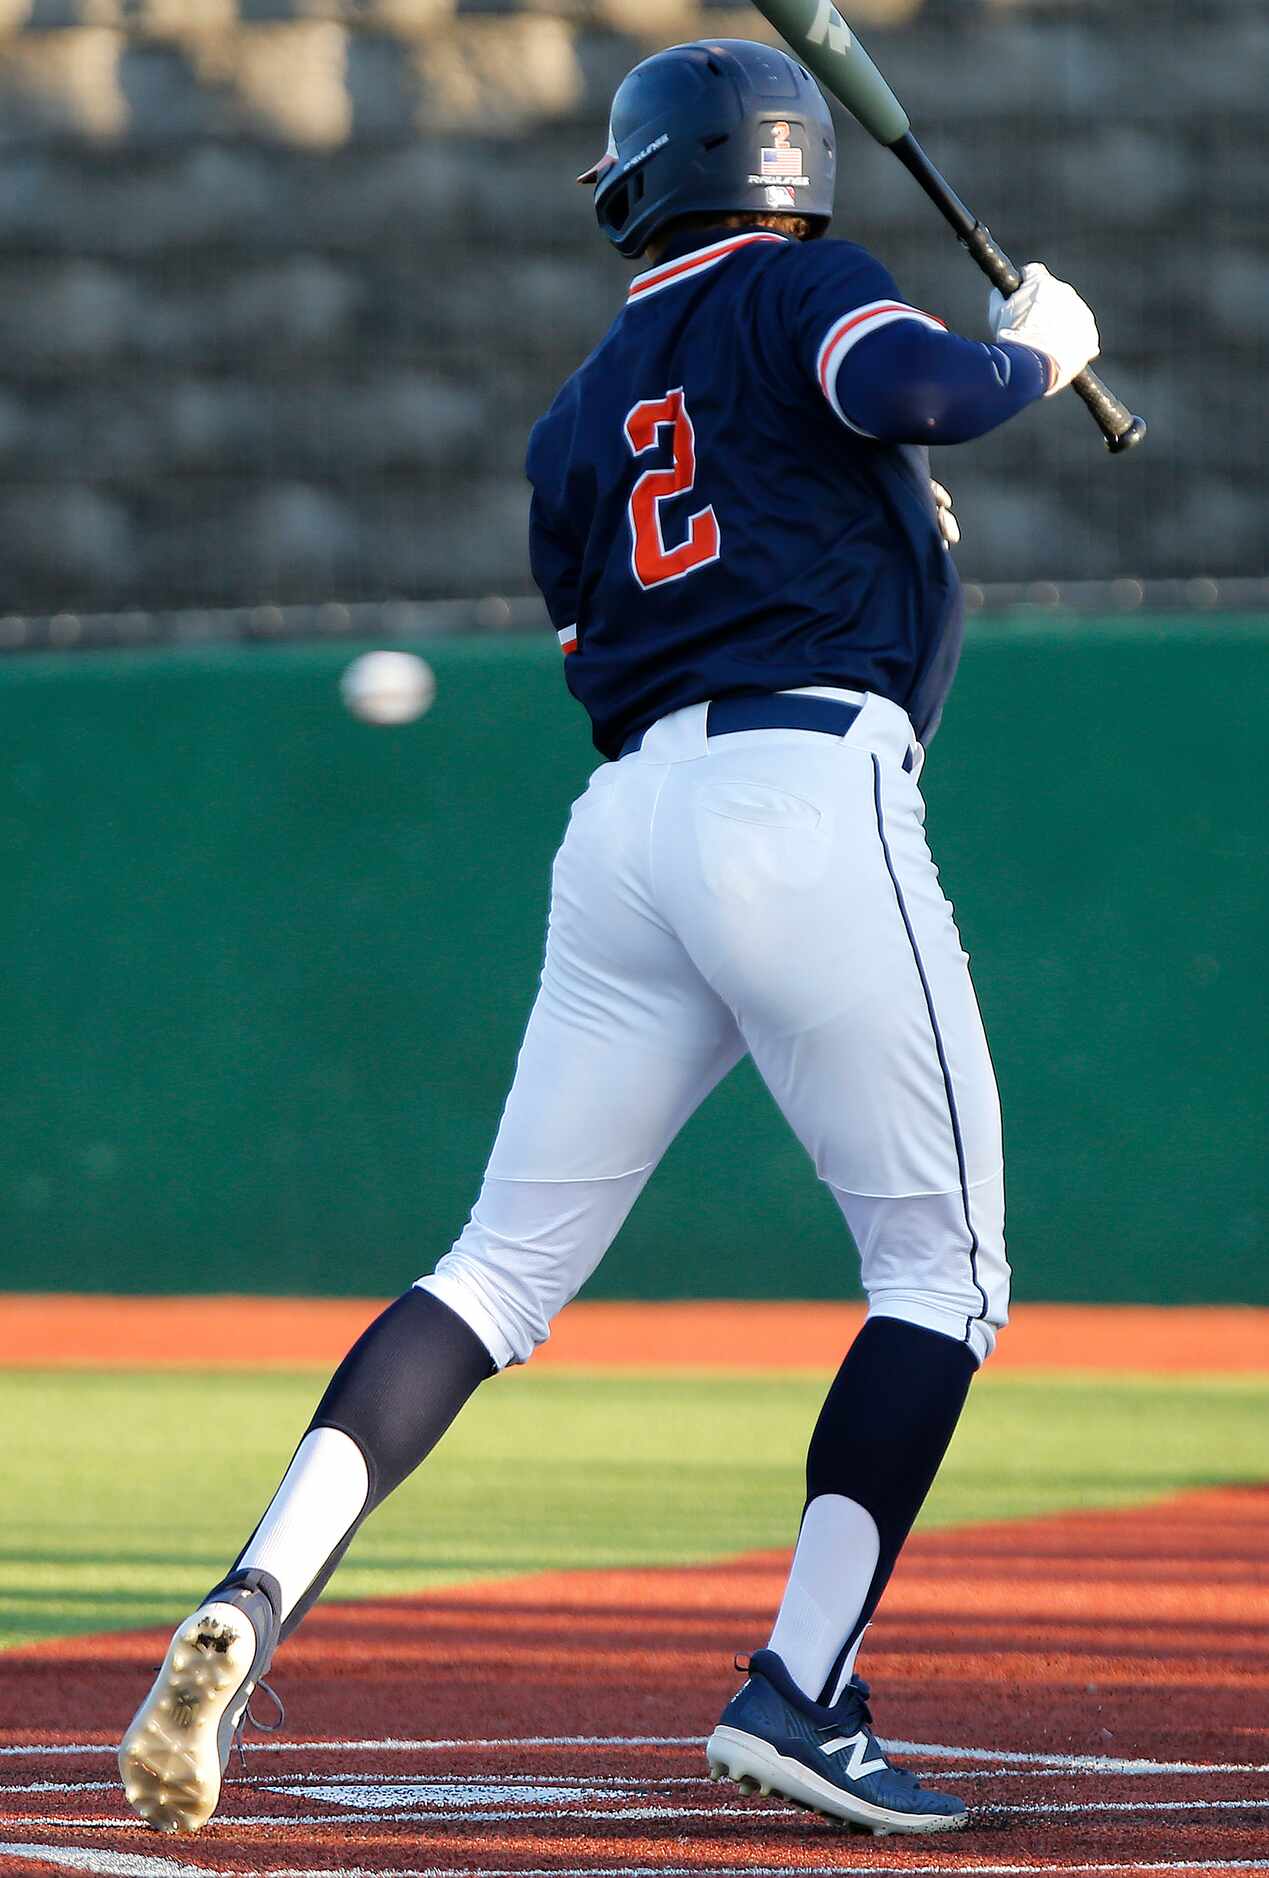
1050,317
949,527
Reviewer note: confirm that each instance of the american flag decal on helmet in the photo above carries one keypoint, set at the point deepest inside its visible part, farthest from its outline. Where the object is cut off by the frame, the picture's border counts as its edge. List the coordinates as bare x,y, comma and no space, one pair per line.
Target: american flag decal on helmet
780,160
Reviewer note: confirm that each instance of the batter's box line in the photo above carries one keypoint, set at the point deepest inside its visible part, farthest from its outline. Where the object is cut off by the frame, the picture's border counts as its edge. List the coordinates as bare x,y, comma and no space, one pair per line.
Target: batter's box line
993,1758
144,1865
397,1745
298,1784
395,1813
1071,1763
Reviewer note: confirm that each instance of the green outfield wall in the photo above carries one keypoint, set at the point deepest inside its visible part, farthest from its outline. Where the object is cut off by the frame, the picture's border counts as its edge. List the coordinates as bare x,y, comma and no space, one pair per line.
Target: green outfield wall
265,970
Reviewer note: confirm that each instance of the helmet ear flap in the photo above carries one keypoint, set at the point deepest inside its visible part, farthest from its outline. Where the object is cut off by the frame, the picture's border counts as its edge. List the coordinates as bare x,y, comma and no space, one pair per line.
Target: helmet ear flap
622,203
616,209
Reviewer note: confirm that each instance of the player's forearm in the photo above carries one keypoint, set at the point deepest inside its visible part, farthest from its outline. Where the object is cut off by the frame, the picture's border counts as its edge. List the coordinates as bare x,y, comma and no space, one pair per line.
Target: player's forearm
911,383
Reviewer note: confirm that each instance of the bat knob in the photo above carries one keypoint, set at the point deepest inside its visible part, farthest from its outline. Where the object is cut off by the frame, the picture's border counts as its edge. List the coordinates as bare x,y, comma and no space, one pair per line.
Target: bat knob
1127,439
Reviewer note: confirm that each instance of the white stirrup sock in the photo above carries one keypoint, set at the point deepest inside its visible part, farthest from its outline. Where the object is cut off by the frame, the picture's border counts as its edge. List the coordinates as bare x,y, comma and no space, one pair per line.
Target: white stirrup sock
323,1492
837,1552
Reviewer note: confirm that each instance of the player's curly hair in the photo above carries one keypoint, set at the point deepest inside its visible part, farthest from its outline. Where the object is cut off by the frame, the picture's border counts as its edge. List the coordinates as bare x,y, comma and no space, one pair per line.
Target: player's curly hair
796,227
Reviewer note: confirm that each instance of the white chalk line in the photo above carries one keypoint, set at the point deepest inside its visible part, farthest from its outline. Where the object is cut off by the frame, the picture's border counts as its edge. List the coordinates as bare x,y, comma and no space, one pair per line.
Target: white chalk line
146,1865
934,1751
121,1864
354,1810
1072,1763
400,1745
993,1772
265,1782
301,1782
348,1816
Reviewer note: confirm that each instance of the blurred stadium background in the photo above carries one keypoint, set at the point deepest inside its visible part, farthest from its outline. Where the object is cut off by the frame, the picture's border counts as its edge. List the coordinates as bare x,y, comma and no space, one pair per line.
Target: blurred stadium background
283,284
286,281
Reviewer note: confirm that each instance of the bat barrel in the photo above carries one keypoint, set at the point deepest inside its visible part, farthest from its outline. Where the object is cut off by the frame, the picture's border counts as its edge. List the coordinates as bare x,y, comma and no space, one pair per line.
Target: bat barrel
826,45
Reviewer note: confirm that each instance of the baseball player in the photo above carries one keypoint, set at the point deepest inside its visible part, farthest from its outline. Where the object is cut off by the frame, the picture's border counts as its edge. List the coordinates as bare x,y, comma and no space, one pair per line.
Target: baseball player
733,527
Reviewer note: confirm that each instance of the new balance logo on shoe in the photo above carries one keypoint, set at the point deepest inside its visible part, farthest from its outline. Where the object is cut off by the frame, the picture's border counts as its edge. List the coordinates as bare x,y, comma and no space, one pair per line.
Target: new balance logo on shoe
857,1766
760,1742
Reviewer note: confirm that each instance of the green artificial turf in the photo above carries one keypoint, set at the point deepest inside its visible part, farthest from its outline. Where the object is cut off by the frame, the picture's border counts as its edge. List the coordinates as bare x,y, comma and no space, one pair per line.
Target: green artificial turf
124,1495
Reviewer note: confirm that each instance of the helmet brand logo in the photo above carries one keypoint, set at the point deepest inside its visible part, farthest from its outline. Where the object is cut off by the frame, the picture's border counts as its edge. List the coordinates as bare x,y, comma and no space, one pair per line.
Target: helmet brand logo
789,175
647,150
829,26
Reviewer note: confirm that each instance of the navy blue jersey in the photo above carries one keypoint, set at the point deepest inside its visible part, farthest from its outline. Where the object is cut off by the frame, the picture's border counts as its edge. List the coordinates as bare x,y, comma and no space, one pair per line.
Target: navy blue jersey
708,521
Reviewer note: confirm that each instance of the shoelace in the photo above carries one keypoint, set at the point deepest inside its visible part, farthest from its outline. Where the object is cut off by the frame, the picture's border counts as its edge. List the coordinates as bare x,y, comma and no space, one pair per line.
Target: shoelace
265,1727
861,1712
861,1691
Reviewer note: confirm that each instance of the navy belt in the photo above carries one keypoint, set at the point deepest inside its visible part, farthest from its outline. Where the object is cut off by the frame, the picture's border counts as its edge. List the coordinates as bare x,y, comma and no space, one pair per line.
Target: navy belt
770,712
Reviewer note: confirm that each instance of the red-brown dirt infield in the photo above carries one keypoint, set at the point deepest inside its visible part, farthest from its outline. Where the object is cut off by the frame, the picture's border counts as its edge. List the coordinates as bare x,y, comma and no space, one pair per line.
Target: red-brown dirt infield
1097,1685
56,1331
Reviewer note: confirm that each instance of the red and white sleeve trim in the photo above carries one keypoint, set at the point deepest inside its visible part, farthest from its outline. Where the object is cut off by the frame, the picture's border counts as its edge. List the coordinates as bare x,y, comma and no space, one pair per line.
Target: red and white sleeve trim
567,636
848,331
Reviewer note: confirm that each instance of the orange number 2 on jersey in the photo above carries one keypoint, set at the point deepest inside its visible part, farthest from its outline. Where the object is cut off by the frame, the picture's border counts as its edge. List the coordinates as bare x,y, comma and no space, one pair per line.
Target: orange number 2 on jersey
651,561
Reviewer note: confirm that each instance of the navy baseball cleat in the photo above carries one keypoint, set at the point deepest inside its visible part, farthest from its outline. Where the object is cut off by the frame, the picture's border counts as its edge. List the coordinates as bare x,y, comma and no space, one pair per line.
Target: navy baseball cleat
773,1739
175,1752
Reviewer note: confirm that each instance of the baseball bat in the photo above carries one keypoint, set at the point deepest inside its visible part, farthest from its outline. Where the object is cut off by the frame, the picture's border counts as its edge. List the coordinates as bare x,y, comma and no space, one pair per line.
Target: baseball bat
826,45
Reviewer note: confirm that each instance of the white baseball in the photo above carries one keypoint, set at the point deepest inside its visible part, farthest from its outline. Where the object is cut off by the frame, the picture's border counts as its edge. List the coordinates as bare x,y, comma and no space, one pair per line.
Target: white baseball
388,687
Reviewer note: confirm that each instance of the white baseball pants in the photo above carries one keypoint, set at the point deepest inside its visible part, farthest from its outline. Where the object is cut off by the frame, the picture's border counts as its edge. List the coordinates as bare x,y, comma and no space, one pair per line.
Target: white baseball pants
768,891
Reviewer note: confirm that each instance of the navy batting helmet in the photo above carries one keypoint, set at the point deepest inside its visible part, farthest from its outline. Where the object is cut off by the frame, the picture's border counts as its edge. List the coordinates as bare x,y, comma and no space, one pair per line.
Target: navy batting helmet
713,127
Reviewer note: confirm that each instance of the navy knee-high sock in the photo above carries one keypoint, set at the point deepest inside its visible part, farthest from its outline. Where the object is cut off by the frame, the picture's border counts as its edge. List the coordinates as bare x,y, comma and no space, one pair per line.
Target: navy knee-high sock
881,1435
394,1395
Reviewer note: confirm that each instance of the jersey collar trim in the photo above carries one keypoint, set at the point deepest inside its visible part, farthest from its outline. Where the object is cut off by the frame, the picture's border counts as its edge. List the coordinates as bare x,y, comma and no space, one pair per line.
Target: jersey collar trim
669,273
